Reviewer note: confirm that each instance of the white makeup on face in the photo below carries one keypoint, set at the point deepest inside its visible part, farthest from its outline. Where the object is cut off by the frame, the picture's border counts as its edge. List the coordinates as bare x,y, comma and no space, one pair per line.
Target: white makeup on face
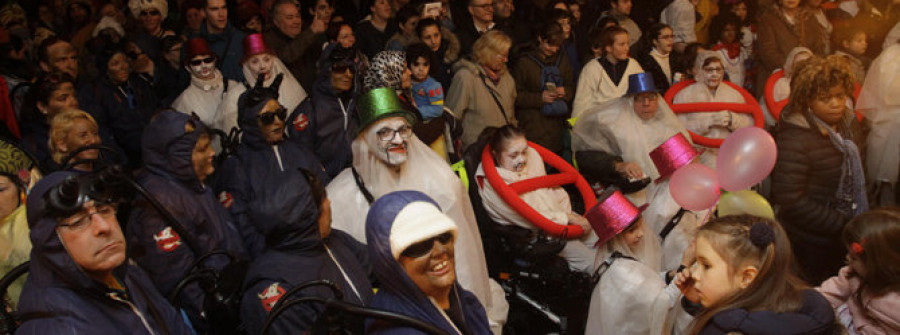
713,74
203,71
392,152
261,63
514,156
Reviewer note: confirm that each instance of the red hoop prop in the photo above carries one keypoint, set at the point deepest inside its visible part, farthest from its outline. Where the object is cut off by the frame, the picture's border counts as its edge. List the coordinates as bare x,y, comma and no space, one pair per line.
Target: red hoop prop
750,107
510,192
775,107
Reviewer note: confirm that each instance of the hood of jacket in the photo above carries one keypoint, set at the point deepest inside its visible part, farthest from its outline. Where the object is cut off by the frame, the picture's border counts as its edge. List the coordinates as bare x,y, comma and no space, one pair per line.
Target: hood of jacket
466,64
51,264
167,147
398,292
250,103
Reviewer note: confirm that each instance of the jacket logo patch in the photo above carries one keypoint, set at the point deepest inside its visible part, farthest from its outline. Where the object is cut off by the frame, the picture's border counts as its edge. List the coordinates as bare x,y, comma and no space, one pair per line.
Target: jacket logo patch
301,122
270,295
167,240
226,199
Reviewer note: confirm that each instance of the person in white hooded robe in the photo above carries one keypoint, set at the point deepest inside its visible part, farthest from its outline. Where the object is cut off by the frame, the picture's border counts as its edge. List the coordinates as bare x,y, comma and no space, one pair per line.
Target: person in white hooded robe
207,90
709,73
259,59
630,295
782,88
387,157
880,101
625,130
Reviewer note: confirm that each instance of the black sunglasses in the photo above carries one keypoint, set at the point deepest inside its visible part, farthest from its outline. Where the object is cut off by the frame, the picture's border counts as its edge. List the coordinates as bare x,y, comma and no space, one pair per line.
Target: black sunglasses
207,60
268,118
420,249
150,13
343,67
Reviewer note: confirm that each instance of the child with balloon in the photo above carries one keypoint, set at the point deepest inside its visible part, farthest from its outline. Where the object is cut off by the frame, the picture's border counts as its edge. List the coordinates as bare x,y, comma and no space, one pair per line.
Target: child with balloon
818,183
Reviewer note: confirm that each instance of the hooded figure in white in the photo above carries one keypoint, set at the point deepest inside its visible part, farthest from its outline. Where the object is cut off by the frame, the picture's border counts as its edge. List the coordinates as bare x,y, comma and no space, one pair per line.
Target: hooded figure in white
782,88
207,89
709,73
631,296
387,157
260,59
880,101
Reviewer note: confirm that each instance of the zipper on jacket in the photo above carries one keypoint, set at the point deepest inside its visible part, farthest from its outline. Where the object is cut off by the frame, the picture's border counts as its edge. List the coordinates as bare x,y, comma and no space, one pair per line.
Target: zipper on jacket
346,278
114,296
278,157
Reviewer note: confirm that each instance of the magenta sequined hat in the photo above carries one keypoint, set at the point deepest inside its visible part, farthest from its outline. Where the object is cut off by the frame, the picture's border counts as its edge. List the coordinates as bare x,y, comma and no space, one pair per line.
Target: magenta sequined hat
672,155
254,44
612,214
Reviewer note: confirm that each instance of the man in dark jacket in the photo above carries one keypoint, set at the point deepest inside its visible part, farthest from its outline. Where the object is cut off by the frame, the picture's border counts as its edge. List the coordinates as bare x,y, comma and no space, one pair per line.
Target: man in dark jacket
302,247
224,39
326,122
296,47
262,165
79,281
178,159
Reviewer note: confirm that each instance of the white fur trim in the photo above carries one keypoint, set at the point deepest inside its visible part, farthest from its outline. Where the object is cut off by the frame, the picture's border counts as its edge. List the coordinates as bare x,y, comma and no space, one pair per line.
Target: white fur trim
135,6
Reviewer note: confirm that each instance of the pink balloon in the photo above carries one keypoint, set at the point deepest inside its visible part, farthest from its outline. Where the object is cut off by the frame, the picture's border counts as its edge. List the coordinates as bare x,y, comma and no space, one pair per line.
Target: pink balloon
695,187
746,157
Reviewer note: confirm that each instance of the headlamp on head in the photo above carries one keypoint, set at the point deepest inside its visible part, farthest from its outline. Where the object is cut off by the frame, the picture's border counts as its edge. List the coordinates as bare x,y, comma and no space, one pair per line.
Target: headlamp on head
106,186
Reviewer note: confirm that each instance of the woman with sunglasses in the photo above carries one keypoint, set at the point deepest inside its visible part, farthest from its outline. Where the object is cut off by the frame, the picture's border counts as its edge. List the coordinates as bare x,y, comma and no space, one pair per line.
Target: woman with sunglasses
411,244
252,182
208,87
258,60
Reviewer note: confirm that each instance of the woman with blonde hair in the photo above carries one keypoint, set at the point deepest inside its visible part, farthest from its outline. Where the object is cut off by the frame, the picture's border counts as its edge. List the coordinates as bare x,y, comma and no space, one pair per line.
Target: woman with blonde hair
483,93
71,130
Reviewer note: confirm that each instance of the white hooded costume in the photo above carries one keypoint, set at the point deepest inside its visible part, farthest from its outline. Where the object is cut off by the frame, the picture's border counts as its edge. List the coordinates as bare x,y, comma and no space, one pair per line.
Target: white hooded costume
204,98
712,124
618,130
552,203
290,93
631,296
880,101
428,173
782,88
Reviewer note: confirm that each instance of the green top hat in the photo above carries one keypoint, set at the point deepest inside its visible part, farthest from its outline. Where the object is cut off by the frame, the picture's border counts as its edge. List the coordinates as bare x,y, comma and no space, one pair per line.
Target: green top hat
381,103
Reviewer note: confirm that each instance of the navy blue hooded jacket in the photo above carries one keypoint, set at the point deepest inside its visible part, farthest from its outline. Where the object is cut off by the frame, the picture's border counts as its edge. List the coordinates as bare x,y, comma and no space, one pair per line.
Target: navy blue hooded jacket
251,181
59,298
398,293
816,317
295,254
125,109
170,177
327,123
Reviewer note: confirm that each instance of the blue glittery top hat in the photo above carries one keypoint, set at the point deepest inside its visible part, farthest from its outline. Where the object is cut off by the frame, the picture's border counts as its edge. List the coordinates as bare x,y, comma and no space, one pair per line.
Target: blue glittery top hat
640,83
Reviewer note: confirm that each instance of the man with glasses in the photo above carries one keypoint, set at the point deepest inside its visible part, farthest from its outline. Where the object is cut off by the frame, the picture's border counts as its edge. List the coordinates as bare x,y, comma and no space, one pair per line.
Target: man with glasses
325,123
481,13
207,89
387,157
612,144
150,15
79,281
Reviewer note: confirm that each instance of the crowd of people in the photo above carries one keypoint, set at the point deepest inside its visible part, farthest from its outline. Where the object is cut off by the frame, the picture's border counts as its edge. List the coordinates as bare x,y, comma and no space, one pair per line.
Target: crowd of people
281,142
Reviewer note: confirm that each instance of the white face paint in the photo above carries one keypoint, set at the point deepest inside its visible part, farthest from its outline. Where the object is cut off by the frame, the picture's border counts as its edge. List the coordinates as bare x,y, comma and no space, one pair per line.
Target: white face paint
514,156
203,71
392,152
261,63
713,73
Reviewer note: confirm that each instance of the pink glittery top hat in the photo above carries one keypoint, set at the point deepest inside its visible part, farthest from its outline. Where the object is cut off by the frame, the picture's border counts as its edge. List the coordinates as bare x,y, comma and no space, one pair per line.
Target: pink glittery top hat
612,214
672,155
254,44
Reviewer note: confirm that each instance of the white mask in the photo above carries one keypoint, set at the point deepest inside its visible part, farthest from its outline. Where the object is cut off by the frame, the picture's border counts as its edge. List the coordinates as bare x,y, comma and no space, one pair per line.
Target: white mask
204,71
261,63
392,152
515,156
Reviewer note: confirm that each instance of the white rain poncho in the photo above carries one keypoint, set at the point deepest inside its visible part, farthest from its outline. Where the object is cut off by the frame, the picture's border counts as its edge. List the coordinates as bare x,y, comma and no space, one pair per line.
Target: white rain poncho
290,93
631,296
712,124
428,173
880,101
204,98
